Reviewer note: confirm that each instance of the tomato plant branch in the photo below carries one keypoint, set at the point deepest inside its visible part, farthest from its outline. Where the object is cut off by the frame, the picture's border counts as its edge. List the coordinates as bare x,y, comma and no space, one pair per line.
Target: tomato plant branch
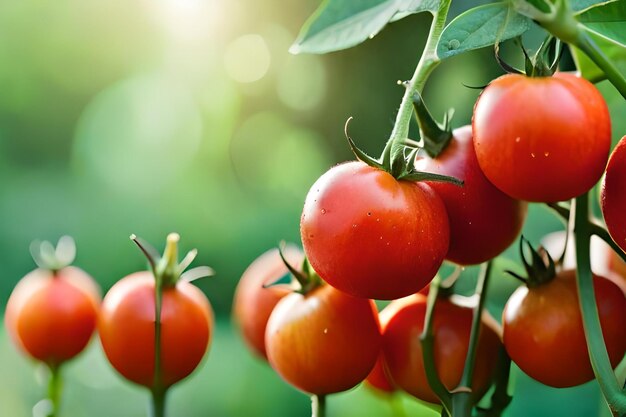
593,227
427,63
55,385
500,399
158,402
598,355
318,405
427,340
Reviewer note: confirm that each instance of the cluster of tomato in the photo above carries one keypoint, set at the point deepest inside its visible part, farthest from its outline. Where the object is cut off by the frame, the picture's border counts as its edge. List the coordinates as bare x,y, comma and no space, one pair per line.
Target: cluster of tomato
368,234
54,310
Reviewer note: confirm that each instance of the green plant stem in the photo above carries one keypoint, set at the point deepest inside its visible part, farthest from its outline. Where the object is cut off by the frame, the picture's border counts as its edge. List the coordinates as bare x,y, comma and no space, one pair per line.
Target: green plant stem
55,387
318,405
598,355
593,228
427,63
427,340
158,402
586,44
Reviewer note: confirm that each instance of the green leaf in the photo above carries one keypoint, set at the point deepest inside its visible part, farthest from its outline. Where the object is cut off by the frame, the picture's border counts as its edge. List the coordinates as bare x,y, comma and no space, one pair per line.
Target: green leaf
341,24
614,51
607,20
480,27
578,5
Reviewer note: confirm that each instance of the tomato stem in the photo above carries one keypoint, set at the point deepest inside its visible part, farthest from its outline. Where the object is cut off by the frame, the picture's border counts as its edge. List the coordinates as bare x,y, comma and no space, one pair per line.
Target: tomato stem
481,292
598,354
318,405
427,339
158,402
55,386
427,63
500,399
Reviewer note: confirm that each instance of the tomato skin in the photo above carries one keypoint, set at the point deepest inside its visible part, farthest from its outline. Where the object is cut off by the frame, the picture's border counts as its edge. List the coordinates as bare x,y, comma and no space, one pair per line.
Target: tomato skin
378,378
372,236
324,342
402,323
126,326
543,330
52,317
253,304
483,220
613,194
542,139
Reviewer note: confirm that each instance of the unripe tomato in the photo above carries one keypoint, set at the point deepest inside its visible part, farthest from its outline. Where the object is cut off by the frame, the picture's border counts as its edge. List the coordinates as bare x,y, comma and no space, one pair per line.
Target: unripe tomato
542,139
126,326
253,303
613,195
402,323
323,342
543,329
483,220
372,236
51,316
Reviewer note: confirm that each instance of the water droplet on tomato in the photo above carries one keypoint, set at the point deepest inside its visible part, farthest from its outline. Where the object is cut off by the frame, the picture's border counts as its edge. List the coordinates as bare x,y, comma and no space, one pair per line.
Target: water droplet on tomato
546,154
323,211
518,139
532,154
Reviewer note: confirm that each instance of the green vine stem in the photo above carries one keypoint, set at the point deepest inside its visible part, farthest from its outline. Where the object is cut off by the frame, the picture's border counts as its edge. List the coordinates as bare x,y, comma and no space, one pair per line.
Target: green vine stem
500,399
55,386
158,402
427,339
598,355
427,63
318,405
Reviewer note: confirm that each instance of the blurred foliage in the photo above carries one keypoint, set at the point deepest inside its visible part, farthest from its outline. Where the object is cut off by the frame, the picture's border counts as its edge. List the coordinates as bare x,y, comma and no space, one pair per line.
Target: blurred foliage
146,117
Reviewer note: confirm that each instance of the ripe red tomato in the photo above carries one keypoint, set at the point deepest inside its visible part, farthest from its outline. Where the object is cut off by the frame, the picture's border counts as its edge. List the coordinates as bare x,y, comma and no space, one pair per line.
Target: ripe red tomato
402,323
51,316
543,329
323,342
378,378
483,220
372,236
542,139
253,304
613,195
126,326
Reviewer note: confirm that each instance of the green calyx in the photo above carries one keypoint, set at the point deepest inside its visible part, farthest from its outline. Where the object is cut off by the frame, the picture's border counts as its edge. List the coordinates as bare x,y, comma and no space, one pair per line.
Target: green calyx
544,63
540,269
304,279
398,159
435,136
52,258
167,269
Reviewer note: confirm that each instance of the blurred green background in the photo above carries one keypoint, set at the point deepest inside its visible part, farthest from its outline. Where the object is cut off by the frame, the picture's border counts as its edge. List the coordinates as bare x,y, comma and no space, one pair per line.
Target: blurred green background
147,117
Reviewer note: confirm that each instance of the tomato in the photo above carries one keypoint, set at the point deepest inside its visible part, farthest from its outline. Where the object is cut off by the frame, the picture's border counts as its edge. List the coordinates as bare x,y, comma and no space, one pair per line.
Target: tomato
613,195
542,139
51,316
372,236
543,329
323,342
402,322
378,377
253,303
483,220
126,326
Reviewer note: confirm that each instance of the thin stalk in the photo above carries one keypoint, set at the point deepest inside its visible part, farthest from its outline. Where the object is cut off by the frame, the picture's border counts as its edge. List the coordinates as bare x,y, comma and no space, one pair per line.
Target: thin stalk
158,402
598,355
318,405
586,44
427,339
55,386
500,399
427,63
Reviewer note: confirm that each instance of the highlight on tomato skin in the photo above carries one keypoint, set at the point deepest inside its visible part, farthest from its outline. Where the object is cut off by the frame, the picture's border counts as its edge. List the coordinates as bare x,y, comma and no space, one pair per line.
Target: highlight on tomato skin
51,316
253,303
372,236
613,194
484,221
323,342
402,323
126,327
555,152
546,339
